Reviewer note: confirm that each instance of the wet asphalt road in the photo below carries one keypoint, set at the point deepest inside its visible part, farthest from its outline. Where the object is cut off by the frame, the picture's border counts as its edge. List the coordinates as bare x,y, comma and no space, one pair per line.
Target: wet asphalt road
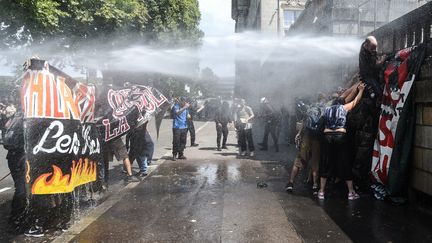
213,197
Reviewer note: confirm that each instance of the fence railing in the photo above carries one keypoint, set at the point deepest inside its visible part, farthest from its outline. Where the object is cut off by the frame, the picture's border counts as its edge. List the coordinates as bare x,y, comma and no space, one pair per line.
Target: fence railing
409,30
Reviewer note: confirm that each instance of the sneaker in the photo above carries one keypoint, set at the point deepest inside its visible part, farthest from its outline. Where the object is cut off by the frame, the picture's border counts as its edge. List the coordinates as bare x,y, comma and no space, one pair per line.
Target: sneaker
353,196
34,231
182,157
141,174
64,227
219,149
321,195
174,157
130,179
194,145
252,154
224,147
243,153
289,187
315,189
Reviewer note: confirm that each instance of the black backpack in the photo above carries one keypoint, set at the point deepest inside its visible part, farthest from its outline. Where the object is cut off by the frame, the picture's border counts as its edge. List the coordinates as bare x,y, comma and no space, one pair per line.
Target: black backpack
314,119
13,138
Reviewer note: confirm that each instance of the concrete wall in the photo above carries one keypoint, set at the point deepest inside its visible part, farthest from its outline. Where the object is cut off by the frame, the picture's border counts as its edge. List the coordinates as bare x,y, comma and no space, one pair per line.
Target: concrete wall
409,30
269,16
421,174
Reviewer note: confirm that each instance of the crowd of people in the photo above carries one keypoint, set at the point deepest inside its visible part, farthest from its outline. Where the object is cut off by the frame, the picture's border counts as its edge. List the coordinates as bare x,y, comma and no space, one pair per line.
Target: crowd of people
324,139
328,128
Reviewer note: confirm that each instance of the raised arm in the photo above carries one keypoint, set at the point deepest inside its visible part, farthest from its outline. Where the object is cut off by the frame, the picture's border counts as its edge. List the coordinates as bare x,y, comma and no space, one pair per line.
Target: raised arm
179,111
349,94
352,104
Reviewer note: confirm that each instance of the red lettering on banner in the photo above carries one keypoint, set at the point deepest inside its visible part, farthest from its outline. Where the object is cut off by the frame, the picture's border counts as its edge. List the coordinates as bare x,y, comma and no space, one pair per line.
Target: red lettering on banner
85,98
158,102
116,100
385,131
46,97
123,127
148,101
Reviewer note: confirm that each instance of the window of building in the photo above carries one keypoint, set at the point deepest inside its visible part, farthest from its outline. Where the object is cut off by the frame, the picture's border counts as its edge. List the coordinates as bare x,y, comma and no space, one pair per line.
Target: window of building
290,16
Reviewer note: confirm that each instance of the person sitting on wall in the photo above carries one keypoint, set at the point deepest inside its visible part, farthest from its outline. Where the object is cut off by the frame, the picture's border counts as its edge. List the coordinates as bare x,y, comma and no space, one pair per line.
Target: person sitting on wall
370,65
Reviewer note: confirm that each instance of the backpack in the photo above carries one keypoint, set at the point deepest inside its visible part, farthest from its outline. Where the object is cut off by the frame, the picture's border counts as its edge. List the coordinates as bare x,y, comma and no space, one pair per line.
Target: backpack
314,121
13,138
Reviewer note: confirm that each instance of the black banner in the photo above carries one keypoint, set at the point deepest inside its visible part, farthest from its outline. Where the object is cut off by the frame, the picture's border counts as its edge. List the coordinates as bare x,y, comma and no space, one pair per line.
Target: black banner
122,109
61,145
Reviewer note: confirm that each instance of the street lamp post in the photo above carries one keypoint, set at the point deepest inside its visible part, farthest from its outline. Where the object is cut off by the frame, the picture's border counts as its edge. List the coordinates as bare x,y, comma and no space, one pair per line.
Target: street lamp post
278,17
375,14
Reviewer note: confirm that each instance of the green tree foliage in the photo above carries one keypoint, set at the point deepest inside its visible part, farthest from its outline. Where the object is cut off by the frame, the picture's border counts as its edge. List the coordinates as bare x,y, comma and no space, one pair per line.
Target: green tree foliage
173,21
165,22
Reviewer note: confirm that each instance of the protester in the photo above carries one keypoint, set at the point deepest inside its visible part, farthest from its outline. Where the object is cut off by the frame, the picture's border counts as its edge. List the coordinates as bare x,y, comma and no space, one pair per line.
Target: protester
244,116
222,119
149,147
13,142
180,113
139,148
309,139
271,124
285,124
117,147
370,65
193,110
336,161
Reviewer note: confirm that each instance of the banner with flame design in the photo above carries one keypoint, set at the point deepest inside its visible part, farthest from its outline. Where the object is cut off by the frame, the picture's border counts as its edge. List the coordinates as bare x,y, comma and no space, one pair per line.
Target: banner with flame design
61,143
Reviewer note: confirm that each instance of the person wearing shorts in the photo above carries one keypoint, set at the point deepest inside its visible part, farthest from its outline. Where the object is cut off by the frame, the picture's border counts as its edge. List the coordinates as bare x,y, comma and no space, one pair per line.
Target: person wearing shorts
118,149
309,152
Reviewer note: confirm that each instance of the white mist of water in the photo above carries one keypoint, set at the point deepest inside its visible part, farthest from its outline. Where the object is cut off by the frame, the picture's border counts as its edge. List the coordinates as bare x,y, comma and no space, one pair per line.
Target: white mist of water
270,60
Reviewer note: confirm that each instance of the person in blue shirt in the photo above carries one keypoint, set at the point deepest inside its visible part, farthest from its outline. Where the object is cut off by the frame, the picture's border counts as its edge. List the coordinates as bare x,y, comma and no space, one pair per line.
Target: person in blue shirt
180,113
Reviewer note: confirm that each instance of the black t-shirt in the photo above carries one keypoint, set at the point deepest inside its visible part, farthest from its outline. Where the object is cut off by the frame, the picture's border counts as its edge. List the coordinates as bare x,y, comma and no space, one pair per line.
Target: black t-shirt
368,64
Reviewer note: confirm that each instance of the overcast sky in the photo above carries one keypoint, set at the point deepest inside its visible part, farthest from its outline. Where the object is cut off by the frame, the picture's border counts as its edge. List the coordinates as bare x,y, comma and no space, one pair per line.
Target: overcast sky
217,25
216,17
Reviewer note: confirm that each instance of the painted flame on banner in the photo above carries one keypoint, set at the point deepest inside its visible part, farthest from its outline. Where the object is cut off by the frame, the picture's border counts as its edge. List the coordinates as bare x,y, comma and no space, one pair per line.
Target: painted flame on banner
81,173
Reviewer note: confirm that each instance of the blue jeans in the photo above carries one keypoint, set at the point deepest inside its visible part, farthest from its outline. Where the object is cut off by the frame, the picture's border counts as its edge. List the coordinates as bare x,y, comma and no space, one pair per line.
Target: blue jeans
142,163
141,160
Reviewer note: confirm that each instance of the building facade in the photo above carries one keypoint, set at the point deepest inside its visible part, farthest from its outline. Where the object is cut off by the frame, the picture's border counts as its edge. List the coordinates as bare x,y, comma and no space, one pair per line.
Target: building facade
267,16
350,17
